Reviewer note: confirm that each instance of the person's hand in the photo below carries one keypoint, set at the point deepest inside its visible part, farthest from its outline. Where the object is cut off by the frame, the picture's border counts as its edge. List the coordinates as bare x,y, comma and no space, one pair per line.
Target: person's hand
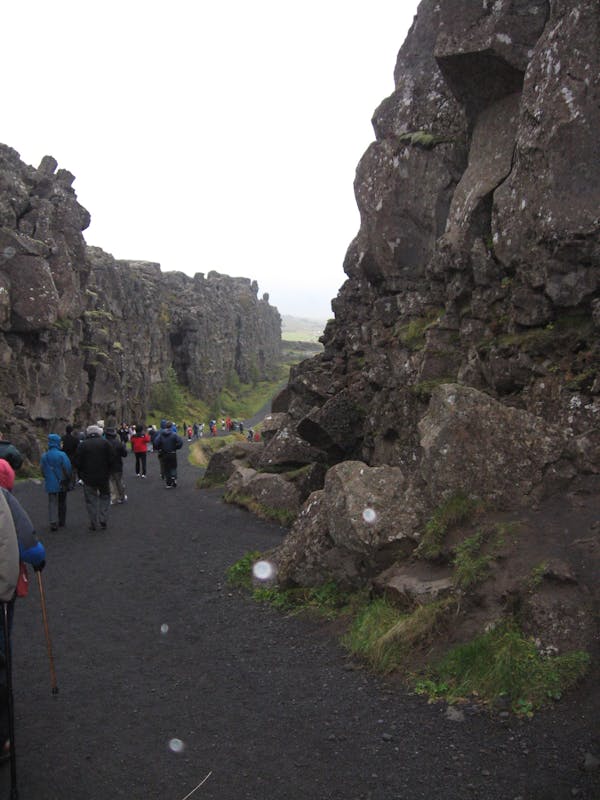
39,567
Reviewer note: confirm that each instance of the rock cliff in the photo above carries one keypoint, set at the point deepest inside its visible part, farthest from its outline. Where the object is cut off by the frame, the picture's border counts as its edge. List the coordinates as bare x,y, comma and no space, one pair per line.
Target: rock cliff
84,336
463,360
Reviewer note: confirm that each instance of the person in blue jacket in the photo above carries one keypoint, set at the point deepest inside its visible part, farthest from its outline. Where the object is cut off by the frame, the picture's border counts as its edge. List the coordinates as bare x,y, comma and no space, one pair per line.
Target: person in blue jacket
56,469
18,542
168,442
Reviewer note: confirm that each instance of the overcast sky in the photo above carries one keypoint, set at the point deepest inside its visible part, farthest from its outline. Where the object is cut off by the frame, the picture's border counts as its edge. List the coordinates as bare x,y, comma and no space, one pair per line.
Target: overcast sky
208,135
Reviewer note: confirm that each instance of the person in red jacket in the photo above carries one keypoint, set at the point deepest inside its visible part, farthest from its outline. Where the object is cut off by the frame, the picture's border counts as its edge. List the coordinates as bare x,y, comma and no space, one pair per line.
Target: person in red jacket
139,445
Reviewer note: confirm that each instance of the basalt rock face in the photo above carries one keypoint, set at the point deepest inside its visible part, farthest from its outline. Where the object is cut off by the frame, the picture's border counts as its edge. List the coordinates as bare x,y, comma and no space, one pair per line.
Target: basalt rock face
465,350
84,336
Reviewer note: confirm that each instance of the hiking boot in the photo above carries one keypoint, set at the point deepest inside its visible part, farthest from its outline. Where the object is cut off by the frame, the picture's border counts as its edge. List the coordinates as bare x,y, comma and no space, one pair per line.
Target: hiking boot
92,527
54,527
103,525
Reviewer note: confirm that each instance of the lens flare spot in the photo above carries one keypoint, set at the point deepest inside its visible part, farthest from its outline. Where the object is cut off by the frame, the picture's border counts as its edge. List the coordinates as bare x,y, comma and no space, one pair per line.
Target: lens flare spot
369,515
263,570
176,745
164,628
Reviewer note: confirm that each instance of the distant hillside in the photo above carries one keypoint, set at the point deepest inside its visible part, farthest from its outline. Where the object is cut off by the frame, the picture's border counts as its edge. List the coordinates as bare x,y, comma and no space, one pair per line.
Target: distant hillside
301,329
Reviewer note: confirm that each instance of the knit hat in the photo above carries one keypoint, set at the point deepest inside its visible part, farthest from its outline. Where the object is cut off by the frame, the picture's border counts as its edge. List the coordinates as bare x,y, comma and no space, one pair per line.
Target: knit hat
7,475
93,430
53,440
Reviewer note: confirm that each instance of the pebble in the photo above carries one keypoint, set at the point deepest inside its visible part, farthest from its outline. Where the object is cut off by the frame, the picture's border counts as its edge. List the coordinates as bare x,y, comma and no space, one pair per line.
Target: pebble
455,714
387,737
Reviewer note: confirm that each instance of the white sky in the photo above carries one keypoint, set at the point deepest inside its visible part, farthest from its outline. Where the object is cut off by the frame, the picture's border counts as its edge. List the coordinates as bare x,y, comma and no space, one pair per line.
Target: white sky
208,135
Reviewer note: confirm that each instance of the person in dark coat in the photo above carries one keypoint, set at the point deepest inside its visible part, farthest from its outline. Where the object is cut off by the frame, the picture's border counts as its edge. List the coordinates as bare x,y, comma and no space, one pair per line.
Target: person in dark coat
18,542
10,453
56,469
70,443
94,459
168,443
117,485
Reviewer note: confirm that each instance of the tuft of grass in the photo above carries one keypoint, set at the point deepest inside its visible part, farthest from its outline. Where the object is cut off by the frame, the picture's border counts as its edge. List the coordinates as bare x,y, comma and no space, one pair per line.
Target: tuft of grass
424,389
412,335
504,663
471,565
423,139
537,576
240,573
385,637
327,600
456,509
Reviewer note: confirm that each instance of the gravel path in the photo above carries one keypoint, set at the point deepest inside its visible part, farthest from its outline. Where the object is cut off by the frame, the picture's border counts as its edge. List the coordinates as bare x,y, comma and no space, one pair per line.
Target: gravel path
152,647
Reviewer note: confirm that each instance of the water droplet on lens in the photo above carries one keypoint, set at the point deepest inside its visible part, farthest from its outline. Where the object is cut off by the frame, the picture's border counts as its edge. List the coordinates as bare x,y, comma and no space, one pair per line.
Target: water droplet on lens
164,628
263,570
176,745
369,515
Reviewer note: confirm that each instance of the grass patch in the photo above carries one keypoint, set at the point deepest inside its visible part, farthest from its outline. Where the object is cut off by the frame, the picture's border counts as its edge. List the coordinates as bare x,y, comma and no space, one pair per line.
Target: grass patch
471,565
424,389
170,400
385,637
504,663
423,139
412,335
327,600
240,573
456,509
201,450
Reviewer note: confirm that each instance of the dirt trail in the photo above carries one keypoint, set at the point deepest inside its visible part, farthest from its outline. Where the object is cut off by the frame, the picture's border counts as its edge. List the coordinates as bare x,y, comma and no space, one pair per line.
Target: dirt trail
152,647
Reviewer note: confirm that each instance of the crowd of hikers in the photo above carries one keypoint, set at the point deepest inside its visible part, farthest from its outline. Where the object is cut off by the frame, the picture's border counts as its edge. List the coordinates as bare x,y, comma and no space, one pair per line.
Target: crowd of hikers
91,458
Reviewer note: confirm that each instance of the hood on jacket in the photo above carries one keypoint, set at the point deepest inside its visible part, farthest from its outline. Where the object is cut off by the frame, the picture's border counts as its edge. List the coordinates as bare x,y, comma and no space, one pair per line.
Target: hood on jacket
93,430
110,433
53,440
7,475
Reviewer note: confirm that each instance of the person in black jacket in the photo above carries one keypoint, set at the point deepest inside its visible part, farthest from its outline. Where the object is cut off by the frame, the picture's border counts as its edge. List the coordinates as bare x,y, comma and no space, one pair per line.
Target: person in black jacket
168,442
117,485
70,443
10,453
94,459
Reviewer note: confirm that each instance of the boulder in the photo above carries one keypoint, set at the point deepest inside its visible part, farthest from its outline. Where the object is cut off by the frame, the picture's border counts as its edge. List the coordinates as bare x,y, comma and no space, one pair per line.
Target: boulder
225,461
475,444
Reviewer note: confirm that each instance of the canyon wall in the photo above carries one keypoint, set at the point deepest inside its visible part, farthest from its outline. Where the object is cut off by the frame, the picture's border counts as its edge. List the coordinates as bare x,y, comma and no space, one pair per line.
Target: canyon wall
84,336
463,363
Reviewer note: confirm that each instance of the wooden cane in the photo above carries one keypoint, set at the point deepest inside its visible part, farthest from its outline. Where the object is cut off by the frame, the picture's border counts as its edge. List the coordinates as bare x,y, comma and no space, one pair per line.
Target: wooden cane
47,632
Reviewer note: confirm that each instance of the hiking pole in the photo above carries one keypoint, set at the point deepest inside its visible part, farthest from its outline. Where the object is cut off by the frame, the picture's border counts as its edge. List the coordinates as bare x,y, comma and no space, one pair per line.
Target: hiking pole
14,792
47,632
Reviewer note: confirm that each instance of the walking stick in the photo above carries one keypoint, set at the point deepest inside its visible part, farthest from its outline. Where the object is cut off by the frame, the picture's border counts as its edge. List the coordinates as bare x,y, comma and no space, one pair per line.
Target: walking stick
14,792
47,632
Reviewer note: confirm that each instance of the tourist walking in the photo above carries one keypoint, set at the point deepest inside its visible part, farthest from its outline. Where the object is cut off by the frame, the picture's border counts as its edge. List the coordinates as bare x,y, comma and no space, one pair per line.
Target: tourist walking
10,453
168,442
19,545
56,469
116,482
139,444
70,443
94,459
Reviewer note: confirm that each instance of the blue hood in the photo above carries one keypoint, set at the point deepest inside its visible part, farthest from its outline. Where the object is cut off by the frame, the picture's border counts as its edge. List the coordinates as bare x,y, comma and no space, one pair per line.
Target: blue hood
53,440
